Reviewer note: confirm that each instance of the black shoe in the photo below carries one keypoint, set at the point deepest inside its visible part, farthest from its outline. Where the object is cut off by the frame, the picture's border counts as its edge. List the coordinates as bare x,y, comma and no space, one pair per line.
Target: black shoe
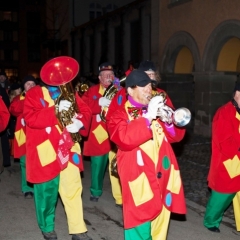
28,195
49,235
81,236
214,229
94,198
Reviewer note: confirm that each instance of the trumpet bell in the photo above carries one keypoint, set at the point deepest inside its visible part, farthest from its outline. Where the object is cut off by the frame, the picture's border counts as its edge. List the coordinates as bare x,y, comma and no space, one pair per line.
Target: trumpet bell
181,117
59,71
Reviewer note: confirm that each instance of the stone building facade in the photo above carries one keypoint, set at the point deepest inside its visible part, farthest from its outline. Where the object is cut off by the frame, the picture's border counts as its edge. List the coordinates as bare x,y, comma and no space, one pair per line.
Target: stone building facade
195,44
199,49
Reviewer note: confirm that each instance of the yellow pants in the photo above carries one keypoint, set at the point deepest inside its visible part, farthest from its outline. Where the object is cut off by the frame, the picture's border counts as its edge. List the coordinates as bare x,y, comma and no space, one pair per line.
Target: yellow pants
115,182
70,190
159,226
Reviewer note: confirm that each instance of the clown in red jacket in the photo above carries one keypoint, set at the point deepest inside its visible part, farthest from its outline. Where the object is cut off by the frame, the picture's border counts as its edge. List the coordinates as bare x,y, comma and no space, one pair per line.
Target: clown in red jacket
147,167
97,144
16,109
224,172
54,160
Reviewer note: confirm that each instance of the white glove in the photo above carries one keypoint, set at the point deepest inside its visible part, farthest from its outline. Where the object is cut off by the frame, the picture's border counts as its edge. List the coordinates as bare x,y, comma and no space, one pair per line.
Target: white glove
165,114
64,105
153,106
104,102
75,126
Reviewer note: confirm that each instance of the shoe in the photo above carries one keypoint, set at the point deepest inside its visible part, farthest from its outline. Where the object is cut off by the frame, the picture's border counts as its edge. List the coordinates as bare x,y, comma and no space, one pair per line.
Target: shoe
119,205
49,235
94,198
214,229
28,195
81,236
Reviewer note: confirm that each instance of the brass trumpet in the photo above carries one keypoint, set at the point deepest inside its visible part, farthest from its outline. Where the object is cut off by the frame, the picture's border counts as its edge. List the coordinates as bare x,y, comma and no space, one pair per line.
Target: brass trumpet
179,117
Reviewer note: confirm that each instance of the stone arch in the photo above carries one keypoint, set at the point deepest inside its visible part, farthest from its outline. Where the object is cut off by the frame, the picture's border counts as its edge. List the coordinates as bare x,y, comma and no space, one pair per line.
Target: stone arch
220,35
172,48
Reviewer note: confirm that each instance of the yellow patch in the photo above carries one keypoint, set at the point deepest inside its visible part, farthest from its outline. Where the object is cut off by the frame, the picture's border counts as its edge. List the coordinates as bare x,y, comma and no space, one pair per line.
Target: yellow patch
100,134
174,181
20,137
47,97
147,147
76,148
140,189
22,97
238,116
46,153
101,90
232,166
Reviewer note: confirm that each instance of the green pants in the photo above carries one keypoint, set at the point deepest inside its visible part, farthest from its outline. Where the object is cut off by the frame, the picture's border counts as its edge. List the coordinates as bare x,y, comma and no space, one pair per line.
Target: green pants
26,186
45,198
141,232
98,169
216,206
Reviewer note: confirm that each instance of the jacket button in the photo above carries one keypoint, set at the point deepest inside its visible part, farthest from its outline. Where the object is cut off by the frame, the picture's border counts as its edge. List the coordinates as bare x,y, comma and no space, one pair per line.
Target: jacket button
159,175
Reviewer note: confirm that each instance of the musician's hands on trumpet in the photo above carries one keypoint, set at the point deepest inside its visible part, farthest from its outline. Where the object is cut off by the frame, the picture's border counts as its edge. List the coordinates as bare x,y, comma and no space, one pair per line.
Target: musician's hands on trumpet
104,102
75,126
153,106
64,105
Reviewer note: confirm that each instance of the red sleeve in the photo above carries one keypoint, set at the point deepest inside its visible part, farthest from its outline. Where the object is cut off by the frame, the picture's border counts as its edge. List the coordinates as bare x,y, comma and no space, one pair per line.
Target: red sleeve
16,106
118,101
225,133
91,98
4,115
86,117
126,134
36,112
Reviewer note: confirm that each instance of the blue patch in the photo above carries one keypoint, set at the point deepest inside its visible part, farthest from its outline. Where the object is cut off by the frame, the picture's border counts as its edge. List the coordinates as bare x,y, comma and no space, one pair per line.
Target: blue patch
43,102
94,97
76,158
168,199
128,121
119,100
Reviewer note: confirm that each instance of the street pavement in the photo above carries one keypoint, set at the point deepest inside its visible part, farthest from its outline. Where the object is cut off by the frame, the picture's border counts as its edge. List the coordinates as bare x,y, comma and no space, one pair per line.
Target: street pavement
104,219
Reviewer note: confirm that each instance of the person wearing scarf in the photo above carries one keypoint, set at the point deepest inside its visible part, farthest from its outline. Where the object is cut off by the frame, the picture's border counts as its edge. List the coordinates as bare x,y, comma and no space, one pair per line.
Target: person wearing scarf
147,167
224,173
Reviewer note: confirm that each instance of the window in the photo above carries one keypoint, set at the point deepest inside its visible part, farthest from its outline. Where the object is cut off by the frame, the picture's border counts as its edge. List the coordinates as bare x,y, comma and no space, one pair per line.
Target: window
15,36
95,10
15,55
33,38
177,2
7,16
7,36
110,7
8,55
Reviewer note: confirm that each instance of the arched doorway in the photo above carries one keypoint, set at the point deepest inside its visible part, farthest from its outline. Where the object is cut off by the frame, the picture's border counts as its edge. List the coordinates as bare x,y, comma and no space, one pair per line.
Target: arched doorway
180,61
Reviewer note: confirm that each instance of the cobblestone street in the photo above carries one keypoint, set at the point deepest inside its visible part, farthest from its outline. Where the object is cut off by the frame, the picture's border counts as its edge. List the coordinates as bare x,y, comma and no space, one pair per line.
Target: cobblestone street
194,154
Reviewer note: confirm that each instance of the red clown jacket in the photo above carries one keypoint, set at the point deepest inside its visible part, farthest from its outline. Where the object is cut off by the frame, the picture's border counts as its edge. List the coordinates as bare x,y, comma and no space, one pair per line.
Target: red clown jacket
16,109
43,135
148,169
224,173
98,142
4,115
